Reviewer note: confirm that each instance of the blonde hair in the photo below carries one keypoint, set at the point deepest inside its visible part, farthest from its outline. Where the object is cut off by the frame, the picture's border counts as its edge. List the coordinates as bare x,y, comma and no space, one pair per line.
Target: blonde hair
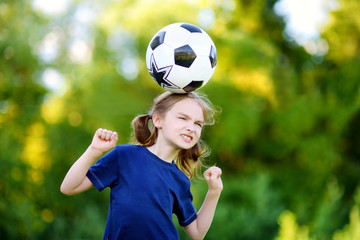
188,160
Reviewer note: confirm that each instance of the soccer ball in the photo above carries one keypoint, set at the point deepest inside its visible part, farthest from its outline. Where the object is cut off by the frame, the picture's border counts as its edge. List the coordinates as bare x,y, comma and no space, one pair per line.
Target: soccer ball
181,57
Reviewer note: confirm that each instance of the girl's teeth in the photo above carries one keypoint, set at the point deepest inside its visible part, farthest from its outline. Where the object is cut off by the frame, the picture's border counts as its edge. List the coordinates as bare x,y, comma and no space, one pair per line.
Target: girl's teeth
187,137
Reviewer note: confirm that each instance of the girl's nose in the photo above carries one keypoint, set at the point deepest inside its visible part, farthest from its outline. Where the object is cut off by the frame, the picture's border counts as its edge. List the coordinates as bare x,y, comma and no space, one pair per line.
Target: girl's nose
190,127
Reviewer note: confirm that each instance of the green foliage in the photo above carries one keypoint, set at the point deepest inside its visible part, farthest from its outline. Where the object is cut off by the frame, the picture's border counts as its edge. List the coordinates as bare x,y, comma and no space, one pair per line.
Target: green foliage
289,229
350,231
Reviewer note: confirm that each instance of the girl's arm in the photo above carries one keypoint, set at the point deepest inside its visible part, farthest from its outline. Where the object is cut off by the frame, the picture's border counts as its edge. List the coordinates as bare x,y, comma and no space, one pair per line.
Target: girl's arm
76,180
199,227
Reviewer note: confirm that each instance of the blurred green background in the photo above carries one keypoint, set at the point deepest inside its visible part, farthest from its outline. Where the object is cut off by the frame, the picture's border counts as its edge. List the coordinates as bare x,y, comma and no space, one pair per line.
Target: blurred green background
288,137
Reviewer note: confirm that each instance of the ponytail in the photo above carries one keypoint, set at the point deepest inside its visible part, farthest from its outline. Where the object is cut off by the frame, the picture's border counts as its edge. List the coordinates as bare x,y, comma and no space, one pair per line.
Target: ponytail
191,160
142,132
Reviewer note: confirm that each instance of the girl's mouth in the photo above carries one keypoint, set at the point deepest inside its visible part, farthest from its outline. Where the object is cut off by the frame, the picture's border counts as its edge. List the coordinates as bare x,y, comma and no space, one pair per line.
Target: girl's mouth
186,138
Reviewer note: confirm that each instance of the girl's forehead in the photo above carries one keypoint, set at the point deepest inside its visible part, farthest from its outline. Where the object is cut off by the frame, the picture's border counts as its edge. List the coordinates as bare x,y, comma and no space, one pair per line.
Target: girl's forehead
190,107
187,102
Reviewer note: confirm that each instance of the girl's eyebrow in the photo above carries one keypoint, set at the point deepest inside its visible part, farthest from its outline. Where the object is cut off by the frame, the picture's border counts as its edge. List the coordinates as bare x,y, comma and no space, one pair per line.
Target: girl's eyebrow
187,116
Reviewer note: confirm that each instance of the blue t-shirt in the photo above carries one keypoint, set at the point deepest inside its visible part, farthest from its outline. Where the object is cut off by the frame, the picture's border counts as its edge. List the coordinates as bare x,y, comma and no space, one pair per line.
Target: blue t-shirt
145,192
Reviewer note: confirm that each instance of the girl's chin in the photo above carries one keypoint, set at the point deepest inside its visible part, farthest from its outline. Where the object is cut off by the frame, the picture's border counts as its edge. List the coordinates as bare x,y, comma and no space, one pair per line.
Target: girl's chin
186,146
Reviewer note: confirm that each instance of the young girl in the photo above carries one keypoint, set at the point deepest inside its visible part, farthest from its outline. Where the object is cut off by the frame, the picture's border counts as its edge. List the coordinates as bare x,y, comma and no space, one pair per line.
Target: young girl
147,186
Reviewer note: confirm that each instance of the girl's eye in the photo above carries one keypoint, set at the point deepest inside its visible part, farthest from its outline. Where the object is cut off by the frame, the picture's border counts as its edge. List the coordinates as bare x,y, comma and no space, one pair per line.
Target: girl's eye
199,124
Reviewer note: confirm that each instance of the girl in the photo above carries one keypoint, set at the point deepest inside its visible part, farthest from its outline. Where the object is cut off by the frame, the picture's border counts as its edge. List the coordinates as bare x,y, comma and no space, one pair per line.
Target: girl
147,186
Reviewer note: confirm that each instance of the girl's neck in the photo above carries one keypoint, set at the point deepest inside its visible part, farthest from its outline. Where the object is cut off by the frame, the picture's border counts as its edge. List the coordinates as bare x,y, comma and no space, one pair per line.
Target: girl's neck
165,153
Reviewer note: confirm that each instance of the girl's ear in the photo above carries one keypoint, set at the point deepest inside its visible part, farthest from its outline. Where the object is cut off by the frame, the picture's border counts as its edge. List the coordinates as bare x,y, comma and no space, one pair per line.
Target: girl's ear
156,119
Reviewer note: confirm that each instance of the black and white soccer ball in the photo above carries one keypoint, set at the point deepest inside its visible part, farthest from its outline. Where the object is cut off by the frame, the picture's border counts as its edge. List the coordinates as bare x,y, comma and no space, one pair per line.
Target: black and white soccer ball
181,57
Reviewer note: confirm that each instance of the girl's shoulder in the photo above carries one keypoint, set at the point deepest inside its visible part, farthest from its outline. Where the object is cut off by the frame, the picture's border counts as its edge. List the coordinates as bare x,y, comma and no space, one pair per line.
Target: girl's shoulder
127,147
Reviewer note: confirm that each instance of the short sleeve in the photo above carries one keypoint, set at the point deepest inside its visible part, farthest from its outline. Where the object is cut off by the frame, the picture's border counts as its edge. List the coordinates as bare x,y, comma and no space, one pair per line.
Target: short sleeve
184,208
104,172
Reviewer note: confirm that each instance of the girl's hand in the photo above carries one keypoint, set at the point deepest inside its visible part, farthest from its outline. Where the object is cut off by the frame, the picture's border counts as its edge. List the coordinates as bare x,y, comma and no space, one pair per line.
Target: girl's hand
104,140
212,177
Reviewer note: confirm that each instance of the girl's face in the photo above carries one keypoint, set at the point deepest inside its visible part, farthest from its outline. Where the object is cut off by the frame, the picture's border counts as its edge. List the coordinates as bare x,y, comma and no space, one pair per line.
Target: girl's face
181,126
